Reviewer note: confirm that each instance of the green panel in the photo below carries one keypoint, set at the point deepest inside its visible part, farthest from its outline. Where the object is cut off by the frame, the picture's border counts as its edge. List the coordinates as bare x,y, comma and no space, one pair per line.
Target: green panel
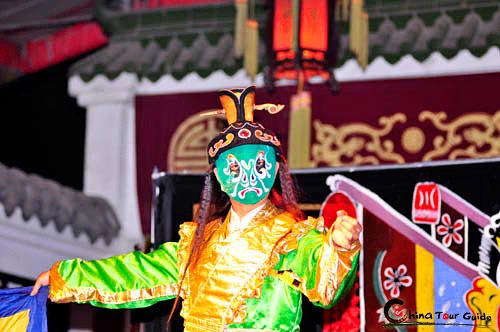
216,17
233,69
111,75
463,42
421,56
100,68
478,51
130,67
176,16
429,18
203,14
487,13
213,37
374,24
144,42
145,68
449,53
406,47
343,28
179,75
154,76
392,58
434,44
400,20
458,15
163,41
204,73
376,50
86,77
153,18
127,22
493,39
187,40
215,64
226,12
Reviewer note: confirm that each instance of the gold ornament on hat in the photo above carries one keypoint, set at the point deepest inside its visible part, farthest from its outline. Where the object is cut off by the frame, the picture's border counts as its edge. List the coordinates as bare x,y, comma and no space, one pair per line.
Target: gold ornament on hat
239,104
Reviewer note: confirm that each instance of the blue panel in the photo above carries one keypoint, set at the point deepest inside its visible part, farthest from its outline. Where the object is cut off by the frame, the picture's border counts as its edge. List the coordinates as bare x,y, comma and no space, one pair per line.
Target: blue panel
449,296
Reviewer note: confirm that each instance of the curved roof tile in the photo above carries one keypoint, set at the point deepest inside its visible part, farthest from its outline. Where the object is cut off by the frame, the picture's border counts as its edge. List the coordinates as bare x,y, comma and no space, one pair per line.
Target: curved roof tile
52,203
178,44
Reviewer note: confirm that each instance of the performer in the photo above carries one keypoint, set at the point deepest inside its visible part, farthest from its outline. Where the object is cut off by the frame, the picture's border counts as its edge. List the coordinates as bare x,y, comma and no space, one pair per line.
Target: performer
244,262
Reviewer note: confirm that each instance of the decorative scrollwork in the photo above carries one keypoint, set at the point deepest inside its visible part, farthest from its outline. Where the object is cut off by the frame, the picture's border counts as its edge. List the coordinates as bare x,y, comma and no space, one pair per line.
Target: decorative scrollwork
344,145
187,149
484,299
471,135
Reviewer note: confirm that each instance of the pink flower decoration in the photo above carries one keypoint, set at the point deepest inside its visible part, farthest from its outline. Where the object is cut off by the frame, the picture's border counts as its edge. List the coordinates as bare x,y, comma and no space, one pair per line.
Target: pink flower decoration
396,279
450,231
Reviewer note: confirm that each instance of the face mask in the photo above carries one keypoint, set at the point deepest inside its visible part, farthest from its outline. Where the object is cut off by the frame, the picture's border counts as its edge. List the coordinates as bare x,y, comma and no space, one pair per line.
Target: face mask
247,172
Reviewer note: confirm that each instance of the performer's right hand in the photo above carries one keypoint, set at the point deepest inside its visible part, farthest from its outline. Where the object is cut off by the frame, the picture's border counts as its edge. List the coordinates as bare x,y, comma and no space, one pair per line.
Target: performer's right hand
42,280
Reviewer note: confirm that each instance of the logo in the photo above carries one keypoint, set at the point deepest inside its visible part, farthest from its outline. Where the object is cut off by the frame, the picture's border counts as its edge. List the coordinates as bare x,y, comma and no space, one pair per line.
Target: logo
398,312
426,203
428,318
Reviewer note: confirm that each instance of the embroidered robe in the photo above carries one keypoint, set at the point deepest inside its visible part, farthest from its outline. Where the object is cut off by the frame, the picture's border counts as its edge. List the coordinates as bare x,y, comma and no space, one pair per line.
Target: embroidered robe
251,280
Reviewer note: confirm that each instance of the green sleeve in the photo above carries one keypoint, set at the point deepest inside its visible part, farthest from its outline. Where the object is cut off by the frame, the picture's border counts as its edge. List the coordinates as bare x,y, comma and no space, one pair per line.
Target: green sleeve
323,272
133,280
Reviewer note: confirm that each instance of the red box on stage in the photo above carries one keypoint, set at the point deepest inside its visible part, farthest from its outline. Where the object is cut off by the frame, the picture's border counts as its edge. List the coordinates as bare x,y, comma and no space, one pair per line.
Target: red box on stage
426,203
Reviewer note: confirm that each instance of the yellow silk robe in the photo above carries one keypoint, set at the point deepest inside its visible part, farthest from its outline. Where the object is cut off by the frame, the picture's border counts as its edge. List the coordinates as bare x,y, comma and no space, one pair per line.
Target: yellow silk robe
250,282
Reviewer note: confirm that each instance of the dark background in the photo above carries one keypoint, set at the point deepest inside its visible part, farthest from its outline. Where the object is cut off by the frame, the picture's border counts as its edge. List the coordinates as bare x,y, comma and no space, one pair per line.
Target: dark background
42,129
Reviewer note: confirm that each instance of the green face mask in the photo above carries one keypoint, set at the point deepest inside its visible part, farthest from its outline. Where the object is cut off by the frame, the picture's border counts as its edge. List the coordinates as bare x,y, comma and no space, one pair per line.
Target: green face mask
247,172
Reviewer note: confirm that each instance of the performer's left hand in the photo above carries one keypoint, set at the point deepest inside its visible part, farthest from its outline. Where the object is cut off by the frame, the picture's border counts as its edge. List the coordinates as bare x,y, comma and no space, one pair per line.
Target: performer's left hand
347,230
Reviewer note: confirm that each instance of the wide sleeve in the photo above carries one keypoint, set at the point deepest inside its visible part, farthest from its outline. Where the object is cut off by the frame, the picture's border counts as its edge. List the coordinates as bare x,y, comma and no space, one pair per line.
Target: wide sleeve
128,281
321,270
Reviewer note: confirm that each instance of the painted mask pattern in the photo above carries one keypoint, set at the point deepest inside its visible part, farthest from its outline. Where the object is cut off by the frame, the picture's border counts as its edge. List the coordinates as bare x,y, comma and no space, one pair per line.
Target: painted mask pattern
247,172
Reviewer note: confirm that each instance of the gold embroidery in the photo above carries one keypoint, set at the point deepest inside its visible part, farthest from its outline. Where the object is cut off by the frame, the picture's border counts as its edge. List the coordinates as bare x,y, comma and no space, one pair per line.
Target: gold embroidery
248,330
477,130
266,137
343,145
413,139
484,298
60,292
211,285
220,144
472,135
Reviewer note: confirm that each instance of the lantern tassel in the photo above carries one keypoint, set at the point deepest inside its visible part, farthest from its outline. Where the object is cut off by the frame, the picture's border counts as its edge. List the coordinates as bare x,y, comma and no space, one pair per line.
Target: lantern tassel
364,33
295,25
338,8
251,58
345,10
239,28
355,26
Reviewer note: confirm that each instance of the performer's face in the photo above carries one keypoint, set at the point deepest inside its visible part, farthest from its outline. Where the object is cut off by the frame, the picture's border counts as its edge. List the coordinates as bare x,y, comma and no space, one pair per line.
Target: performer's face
247,172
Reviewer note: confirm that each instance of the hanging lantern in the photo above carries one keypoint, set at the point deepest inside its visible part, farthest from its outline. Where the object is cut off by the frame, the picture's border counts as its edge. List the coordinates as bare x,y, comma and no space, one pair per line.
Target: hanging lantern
302,41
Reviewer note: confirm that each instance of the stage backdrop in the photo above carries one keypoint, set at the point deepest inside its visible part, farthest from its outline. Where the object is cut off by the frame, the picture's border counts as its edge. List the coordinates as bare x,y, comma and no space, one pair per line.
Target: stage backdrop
431,239
369,122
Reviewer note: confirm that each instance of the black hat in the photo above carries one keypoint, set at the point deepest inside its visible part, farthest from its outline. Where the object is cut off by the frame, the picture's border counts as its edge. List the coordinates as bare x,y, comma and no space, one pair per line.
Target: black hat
239,105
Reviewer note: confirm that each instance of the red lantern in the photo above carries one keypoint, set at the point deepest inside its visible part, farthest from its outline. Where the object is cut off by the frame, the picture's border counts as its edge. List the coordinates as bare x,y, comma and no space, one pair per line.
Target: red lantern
312,52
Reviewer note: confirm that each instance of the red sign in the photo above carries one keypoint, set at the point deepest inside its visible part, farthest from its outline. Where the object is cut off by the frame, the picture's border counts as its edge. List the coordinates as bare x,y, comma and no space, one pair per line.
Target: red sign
335,202
426,203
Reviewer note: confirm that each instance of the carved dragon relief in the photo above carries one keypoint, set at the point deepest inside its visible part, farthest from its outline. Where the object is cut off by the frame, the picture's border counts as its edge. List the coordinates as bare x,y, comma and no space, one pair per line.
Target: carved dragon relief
479,131
343,145
471,135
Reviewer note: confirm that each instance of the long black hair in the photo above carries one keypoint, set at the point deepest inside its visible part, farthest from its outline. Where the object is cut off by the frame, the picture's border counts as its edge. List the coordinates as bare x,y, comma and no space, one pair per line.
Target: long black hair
214,203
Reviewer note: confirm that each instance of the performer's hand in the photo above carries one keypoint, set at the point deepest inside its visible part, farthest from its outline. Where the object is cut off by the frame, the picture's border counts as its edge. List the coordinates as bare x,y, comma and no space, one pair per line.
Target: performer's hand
42,280
347,230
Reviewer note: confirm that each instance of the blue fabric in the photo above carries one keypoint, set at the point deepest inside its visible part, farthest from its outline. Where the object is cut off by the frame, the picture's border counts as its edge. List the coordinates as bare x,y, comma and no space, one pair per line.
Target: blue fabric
14,300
